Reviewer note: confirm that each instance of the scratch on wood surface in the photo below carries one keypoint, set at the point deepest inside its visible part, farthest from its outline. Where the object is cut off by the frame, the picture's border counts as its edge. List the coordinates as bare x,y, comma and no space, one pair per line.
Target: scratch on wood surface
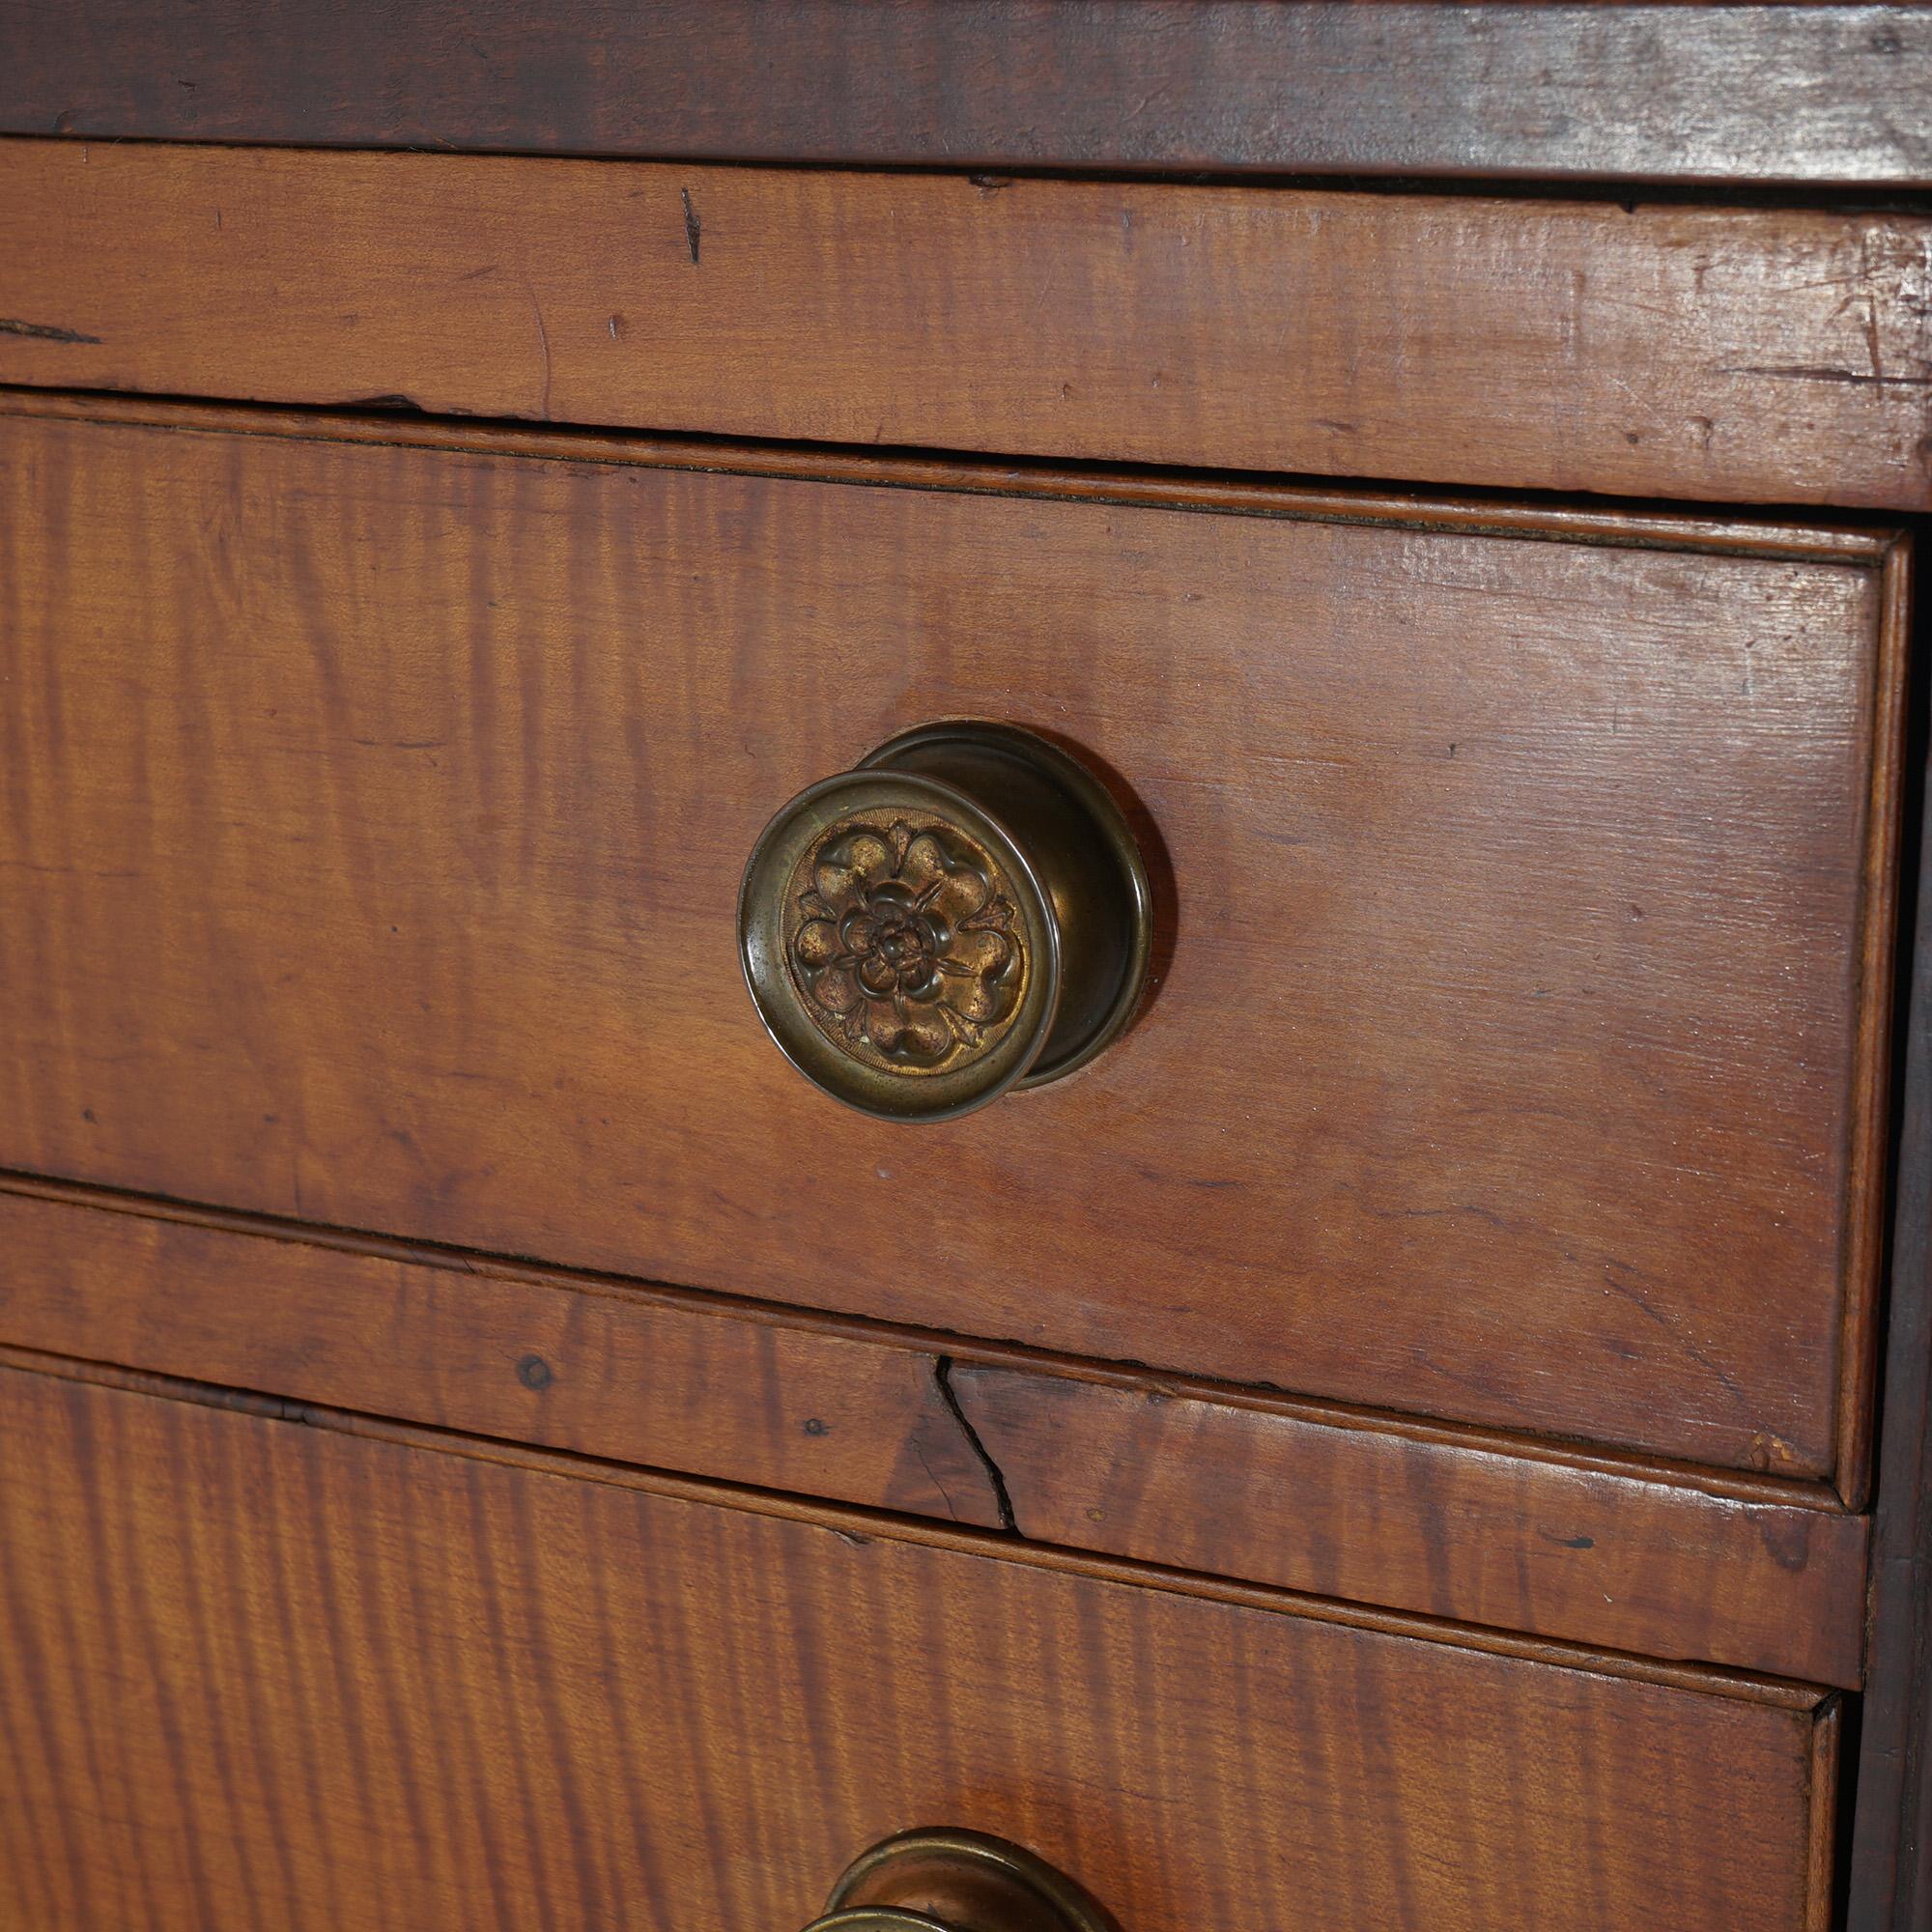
1800,372
43,332
542,338
693,229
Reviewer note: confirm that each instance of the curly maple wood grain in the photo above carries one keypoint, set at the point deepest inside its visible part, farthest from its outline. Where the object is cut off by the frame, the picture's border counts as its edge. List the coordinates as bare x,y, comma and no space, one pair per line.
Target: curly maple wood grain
255,1673
1746,1572
1468,1530
1726,92
373,820
1754,355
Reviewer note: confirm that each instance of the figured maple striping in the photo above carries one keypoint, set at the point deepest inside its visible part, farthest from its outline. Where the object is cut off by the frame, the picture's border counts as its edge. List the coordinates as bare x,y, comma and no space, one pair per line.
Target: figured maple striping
256,1673
1744,1572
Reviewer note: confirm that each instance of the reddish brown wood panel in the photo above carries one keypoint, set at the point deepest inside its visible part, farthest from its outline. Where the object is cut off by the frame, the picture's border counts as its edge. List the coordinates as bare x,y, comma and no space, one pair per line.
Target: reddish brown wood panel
634,1375
1722,93
374,820
1769,355
254,1673
1754,1575
1380,1515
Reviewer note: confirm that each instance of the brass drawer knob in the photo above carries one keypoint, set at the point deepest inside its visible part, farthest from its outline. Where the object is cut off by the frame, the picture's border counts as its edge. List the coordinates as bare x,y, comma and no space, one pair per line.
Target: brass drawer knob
940,1881
964,913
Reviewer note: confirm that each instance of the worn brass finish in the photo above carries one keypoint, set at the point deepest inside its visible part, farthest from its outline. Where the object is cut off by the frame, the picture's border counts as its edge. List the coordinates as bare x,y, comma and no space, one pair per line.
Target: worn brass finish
964,913
943,1881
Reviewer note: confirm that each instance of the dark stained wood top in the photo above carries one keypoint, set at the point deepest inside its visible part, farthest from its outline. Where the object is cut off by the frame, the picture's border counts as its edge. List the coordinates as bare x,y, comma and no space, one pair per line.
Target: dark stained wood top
1834,94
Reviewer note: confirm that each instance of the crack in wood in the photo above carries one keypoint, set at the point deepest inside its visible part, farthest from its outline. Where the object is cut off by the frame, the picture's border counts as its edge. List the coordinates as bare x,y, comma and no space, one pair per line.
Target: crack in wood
942,1376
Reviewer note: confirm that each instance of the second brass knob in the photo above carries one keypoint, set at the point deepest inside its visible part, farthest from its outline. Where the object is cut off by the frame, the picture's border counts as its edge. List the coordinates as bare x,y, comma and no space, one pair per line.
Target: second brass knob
952,1881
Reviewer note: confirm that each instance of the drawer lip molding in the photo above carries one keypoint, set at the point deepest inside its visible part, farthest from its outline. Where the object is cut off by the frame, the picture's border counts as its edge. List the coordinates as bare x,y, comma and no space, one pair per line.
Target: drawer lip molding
1467,1528
1756,94
1858,542
779,1684
1812,1415
1751,354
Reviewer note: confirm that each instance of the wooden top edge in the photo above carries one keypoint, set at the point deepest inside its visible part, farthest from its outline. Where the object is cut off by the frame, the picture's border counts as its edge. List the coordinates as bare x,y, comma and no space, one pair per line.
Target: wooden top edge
1825,540
1802,94
1732,1484
855,1523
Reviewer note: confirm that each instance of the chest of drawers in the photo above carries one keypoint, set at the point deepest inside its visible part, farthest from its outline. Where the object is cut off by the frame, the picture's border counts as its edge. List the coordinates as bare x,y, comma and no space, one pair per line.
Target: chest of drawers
1387,1387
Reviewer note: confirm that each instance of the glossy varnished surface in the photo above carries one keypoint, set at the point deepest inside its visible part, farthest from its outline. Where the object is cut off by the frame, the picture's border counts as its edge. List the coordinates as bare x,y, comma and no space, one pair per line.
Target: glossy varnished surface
375,816
1755,356
1748,1572
1722,93
253,1674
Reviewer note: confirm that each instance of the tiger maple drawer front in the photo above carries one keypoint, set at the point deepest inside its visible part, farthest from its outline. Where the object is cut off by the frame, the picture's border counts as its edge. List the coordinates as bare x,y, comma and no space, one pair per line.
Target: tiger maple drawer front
252,1672
374,814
